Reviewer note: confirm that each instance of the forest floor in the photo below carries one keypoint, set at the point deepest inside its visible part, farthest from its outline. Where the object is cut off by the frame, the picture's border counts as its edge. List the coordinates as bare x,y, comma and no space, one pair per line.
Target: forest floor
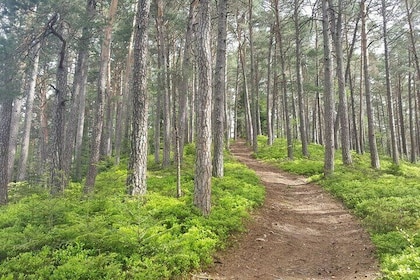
301,232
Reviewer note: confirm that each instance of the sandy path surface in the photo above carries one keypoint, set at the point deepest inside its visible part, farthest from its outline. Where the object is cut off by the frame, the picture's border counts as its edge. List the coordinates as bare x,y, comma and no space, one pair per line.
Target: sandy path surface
301,232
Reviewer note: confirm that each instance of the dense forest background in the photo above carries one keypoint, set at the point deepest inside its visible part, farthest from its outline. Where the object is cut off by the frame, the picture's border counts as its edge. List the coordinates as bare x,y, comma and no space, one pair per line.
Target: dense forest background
159,88
343,74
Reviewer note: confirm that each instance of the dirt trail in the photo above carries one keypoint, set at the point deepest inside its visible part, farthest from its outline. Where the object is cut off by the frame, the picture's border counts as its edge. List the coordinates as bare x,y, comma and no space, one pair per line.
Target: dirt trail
301,232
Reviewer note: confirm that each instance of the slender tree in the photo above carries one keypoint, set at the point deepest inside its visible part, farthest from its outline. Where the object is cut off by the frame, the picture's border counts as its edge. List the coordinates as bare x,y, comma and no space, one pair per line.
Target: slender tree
137,166
374,156
14,133
6,106
246,95
279,43
79,90
29,114
336,22
253,78
390,99
203,166
411,97
328,94
100,101
123,98
186,71
414,47
270,128
219,90
58,177
299,78
163,83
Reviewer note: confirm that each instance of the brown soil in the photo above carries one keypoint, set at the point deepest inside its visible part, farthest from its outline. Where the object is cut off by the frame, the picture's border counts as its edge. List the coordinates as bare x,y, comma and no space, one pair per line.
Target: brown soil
301,232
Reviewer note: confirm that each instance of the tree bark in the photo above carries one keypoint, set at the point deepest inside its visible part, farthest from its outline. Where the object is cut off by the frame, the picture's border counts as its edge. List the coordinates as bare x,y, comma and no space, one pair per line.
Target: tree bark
184,89
43,131
23,161
279,42
299,81
336,22
246,95
100,100
247,103
270,129
374,156
124,98
412,33
401,118
202,180
5,119
137,166
163,84
390,99
411,112
328,94
58,177
109,109
349,81
79,88
14,131
219,88
253,79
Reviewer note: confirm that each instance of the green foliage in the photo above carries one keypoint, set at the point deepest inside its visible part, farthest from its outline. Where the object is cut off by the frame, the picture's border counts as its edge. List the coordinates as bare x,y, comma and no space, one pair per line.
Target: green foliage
189,149
277,154
387,201
406,264
110,235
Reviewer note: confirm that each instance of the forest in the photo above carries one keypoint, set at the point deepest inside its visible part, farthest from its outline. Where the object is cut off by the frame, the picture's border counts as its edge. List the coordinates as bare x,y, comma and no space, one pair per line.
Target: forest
117,118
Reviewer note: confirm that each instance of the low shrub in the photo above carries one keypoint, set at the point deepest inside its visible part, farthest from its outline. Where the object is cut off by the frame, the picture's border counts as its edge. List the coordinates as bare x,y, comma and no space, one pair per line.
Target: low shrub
111,235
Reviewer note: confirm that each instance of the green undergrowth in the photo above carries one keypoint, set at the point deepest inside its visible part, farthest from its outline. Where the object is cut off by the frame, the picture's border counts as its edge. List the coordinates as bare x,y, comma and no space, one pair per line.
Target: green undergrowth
386,200
110,235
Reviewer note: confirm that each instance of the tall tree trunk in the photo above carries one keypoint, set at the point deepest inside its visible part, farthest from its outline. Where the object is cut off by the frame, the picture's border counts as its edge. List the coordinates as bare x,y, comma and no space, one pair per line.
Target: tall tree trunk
411,112
58,177
5,119
247,103
318,115
270,129
299,80
163,84
402,127
109,108
23,161
137,166
177,137
416,62
43,130
390,99
14,131
235,112
350,83
219,91
124,98
202,180
279,42
343,108
79,87
328,94
253,84
100,99
414,46
374,156
361,110
185,78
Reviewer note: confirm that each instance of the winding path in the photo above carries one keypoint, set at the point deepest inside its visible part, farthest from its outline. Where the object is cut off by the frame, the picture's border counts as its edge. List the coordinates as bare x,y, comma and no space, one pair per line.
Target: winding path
301,232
